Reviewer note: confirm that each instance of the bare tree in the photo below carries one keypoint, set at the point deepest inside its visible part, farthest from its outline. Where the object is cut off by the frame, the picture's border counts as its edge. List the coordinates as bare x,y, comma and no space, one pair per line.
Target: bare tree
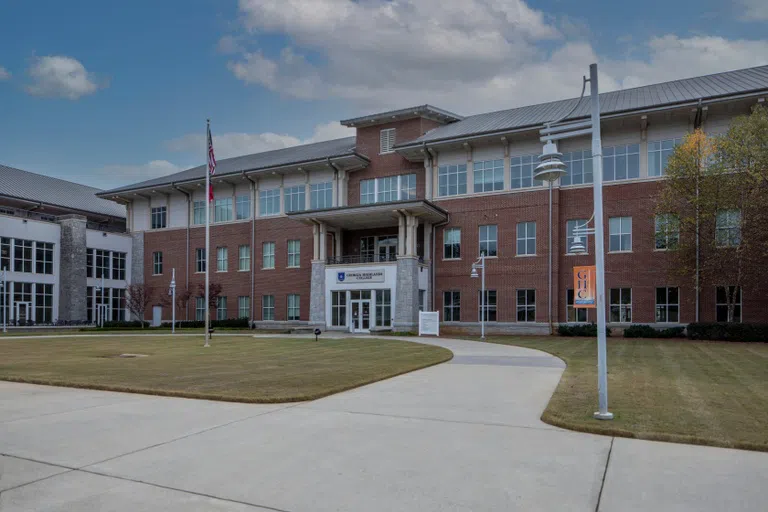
137,298
182,300
214,290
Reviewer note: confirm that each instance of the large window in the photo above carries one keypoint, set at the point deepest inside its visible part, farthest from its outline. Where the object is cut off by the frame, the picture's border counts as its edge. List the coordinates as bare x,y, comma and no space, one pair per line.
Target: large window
157,263
22,255
294,253
452,243
293,306
102,264
488,240
526,305
367,248
489,176
44,258
526,238
221,308
269,202
452,306
198,213
338,308
243,307
578,167
621,162
89,262
658,155
668,304
728,228
387,140
721,304
620,300
5,253
200,309
118,305
388,188
268,255
321,195
268,307
367,191
620,234
295,198
522,169
451,180
158,216
118,265
407,187
199,260
488,305
573,314
222,257
244,257
243,207
222,209
667,231
43,303
383,308
570,228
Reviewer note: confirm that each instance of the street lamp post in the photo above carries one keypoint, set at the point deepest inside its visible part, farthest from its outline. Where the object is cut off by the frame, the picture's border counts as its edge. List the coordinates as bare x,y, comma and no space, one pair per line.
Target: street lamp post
3,285
172,293
100,308
480,264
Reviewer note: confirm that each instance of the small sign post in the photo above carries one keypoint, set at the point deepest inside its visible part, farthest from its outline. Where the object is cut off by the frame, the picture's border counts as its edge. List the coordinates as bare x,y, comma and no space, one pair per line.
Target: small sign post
429,323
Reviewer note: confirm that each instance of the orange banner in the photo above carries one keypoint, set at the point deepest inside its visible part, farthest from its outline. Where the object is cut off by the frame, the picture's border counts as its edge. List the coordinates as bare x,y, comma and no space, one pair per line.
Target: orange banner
584,295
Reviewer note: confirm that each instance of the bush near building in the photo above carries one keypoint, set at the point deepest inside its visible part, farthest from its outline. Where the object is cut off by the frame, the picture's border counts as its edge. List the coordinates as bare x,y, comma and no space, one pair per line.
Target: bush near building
723,331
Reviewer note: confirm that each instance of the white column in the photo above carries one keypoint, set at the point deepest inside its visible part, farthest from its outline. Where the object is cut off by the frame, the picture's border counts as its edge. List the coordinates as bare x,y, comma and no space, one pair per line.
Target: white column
316,240
339,235
413,234
401,235
323,241
343,189
255,201
428,178
427,241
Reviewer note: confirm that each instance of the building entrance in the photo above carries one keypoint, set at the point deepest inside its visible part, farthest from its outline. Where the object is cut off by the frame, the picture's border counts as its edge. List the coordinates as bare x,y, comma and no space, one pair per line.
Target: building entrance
361,315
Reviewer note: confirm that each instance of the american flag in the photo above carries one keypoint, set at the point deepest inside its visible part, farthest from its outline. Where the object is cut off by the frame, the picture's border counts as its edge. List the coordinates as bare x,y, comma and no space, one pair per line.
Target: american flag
211,163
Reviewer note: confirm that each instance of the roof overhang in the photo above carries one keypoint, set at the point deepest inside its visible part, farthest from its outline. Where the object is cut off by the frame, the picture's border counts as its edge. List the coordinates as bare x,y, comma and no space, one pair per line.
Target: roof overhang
369,216
425,111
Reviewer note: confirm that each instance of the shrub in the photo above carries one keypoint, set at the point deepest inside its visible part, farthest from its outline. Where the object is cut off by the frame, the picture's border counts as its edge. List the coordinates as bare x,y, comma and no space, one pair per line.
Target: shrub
721,331
239,323
580,330
646,331
123,324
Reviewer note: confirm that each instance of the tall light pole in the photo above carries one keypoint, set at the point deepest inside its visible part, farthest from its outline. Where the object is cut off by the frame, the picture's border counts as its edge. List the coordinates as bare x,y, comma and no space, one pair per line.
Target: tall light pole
100,309
3,288
172,293
480,264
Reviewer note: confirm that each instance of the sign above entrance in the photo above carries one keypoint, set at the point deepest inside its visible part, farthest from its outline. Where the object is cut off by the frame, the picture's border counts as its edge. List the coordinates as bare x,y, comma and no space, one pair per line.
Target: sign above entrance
360,276
584,295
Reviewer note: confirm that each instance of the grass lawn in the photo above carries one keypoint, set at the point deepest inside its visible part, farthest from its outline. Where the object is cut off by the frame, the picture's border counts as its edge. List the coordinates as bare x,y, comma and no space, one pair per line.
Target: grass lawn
234,368
668,390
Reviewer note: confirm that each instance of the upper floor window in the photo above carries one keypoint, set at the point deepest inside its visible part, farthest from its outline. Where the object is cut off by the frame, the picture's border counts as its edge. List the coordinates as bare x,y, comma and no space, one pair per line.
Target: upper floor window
388,188
407,186
44,258
198,214
452,180
667,231
89,263
367,191
159,217
522,169
728,228
22,255
488,240
578,167
526,238
621,162
295,198
294,253
102,264
387,140
321,195
243,207
118,265
658,155
268,255
222,209
570,232
620,234
200,260
157,263
5,253
222,259
244,257
269,202
489,175
452,243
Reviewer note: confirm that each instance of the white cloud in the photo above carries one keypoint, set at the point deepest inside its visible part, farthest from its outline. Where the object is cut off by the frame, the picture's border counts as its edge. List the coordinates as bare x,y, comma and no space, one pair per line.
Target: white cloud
134,173
754,10
62,77
4,74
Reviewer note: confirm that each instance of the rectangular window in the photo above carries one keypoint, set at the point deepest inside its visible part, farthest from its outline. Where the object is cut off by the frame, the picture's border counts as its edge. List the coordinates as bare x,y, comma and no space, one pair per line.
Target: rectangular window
367,191
89,303
522,169
200,260
620,234
222,255
22,255
574,315
118,265
243,307
451,180
222,209
102,264
268,307
293,306
570,228
367,249
452,243
244,257
5,253
43,303
658,155
89,262
269,202
489,175
387,140
157,263
489,305
383,308
221,308
667,231
728,228
200,309
526,238
407,187
118,305
198,212
620,305
578,167
338,309
422,297
294,253
44,258
243,207
387,189
488,240
158,215
526,305
621,162
452,306
321,195
268,255
667,304
295,198
721,304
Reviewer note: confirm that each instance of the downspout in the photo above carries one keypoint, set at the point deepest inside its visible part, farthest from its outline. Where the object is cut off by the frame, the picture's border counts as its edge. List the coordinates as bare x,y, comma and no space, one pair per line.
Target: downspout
432,269
338,181
186,263
252,213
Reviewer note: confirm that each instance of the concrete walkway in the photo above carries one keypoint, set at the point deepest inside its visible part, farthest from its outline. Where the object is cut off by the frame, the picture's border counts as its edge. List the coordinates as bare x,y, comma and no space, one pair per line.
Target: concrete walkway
461,436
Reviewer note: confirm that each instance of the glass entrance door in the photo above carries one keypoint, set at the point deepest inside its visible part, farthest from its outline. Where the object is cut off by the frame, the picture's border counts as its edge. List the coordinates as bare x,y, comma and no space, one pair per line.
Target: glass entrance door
361,315
387,248
23,312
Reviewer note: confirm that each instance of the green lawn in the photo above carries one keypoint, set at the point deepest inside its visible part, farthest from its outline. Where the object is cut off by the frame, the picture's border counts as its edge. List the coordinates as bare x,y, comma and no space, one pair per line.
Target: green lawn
669,390
234,368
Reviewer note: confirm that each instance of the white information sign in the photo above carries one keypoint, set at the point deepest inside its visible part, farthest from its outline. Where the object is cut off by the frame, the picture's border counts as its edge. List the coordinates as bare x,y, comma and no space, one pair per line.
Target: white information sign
429,323
375,275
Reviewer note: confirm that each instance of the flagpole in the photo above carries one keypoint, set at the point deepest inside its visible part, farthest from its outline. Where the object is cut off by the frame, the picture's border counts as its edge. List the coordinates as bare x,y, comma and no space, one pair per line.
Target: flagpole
207,236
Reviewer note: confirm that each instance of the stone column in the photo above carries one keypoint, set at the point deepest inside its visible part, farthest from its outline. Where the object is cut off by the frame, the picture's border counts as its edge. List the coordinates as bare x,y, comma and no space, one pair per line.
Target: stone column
137,258
317,295
407,294
72,276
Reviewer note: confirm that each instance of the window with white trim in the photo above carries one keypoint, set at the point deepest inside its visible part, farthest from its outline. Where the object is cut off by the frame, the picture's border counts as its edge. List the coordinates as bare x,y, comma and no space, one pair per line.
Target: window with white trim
294,253
452,306
243,306
243,207
387,140
389,188
526,305
222,257
488,175
621,162
5,253
570,228
489,240
407,186
268,255
199,260
488,305
198,212
321,195
526,238
22,255
244,257
200,309
88,263
339,308
295,198
383,308
667,231
157,263
269,202
522,169
451,180
620,234
44,303
118,305
158,217
668,304
658,155
44,257
293,306
452,243
620,301
578,167
102,263
222,209
268,307
573,314
728,228
721,303
118,265
221,308
367,191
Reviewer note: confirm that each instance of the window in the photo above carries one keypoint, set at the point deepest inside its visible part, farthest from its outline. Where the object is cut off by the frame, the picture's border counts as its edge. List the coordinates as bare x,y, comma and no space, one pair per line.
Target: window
526,305
321,195
89,262
118,265
43,303
658,155
367,248
293,307
621,162
269,202
244,257
489,305
387,189
243,207
221,308
158,215
102,264
383,308
294,253
526,238
728,228
157,263
268,255
221,259
44,258
22,255
295,200
222,209
200,260
243,307
200,309
522,169
570,227
422,298
198,212
452,243
367,191
452,306
667,304
667,231
407,186
338,309
574,315
621,305
451,180
89,303
620,229
488,240
268,307
386,140
721,304
5,253
118,305
578,167
489,175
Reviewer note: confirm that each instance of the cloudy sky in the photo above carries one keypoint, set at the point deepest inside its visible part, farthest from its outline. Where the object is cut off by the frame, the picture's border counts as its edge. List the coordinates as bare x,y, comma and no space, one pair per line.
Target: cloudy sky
108,93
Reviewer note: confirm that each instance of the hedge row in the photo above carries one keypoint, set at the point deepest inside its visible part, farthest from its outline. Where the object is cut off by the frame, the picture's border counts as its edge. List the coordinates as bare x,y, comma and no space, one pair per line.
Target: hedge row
728,332
242,323
646,331
580,330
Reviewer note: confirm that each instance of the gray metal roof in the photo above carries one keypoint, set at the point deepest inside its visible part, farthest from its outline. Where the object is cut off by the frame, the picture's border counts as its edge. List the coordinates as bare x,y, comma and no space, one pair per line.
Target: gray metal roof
649,96
56,192
421,110
267,160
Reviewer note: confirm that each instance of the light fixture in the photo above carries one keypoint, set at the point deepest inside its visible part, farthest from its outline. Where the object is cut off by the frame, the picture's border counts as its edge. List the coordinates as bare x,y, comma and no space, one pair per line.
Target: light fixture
578,246
551,167
474,272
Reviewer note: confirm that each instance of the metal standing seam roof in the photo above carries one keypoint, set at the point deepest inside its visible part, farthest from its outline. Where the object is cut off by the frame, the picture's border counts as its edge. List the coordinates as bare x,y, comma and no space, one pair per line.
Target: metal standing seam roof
267,160
649,96
34,187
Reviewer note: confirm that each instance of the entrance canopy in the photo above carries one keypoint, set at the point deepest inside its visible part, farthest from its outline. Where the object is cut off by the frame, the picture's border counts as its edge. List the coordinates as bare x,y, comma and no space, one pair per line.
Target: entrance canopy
377,215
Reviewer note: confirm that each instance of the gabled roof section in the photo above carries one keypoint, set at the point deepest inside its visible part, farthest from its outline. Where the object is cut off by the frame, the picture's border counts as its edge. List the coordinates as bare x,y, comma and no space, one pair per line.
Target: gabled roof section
426,111
731,83
29,186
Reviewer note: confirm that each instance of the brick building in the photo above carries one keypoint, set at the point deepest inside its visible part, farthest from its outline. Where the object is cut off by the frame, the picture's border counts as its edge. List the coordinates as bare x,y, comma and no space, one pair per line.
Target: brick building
360,233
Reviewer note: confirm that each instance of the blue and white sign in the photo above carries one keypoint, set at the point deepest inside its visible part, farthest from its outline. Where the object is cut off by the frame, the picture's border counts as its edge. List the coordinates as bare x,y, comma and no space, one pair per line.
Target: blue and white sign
340,277
361,276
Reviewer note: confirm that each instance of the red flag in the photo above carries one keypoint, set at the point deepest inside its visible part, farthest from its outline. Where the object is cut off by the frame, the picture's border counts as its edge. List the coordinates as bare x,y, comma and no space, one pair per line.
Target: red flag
211,163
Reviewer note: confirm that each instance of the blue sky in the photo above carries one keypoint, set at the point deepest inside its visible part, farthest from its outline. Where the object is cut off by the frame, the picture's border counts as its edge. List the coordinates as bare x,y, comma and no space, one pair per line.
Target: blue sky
109,93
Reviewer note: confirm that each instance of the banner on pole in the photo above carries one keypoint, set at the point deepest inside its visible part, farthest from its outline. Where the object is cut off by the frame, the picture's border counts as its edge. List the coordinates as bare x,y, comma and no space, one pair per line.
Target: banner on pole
584,295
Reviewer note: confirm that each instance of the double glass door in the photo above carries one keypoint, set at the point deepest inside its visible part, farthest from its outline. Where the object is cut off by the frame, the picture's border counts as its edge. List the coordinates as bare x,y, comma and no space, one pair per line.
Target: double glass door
23,312
361,315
